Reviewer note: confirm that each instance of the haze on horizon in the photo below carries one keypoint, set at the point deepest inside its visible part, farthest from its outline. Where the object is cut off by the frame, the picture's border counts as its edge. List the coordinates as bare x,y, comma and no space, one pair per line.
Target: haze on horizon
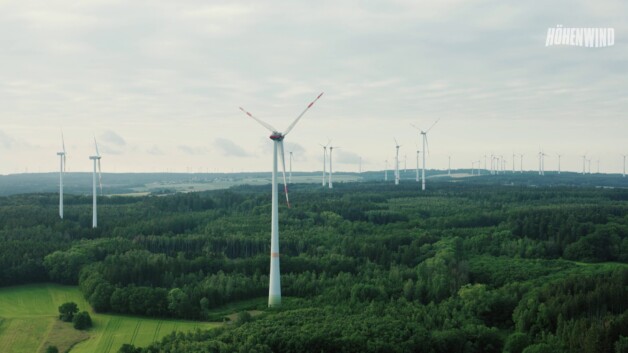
159,83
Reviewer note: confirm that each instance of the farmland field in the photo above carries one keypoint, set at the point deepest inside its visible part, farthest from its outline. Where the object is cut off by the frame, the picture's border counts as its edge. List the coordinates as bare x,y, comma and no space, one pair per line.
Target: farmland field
28,323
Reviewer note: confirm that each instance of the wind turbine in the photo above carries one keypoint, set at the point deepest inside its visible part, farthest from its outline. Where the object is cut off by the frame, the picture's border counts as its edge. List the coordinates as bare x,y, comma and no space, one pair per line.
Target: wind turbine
521,164
331,149
96,160
449,165
559,156
624,172
513,162
61,171
397,145
324,159
274,288
584,159
598,166
425,151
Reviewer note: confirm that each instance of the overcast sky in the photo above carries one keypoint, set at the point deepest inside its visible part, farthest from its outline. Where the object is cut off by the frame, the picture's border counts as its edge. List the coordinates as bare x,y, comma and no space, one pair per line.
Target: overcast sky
159,83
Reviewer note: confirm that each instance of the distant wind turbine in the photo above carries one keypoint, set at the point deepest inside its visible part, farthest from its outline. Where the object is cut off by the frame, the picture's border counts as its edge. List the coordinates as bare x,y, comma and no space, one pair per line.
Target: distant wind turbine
96,160
624,172
397,162
62,156
559,156
513,162
449,165
274,290
331,173
426,150
324,159
584,159
418,152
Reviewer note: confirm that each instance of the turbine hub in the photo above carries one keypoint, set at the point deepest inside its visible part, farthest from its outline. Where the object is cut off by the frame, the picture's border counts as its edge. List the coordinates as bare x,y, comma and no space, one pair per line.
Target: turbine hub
276,136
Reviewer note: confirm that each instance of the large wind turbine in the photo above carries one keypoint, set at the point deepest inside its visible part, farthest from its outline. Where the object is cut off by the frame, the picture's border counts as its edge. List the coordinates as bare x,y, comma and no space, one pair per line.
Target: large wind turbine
274,289
624,172
97,169
425,151
61,171
397,145
559,156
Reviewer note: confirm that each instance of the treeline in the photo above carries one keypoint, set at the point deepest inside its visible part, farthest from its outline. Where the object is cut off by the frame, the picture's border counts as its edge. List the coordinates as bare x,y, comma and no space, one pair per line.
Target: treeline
365,267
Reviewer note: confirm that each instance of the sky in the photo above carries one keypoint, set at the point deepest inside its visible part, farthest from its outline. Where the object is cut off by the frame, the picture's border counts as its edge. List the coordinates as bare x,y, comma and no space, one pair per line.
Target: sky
159,83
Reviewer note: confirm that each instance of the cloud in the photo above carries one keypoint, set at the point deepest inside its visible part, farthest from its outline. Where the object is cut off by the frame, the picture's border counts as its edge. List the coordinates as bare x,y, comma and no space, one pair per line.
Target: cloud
155,151
229,149
192,150
6,141
112,138
346,157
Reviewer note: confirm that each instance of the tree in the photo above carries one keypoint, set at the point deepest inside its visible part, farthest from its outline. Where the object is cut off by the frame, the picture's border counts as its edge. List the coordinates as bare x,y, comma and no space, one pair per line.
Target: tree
52,349
243,317
82,321
67,311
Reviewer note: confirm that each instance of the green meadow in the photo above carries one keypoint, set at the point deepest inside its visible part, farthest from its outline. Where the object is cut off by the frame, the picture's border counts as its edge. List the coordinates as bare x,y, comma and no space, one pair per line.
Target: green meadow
29,323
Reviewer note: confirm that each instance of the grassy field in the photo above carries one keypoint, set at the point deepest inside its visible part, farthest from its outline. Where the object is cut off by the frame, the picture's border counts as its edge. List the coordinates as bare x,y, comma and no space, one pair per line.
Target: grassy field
28,323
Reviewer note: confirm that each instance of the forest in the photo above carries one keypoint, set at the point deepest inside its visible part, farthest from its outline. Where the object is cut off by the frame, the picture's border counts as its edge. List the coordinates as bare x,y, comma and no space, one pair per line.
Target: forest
365,267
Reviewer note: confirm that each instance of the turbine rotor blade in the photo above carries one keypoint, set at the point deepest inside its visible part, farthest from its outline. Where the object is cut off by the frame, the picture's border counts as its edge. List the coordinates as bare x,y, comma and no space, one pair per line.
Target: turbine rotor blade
416,127
264,124
283,168
300,115
437,120
427,144
62,142
96,144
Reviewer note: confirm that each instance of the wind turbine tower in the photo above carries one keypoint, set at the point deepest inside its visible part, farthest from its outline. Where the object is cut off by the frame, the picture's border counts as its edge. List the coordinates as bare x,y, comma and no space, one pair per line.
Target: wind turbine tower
330,183
513,163
61,171
559,156
624,172
397,162
274,288
417,165
97,169
449,165
584,159
324,160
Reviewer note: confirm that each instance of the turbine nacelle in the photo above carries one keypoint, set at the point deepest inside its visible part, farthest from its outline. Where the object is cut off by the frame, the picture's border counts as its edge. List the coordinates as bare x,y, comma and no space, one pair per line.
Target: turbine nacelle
277,136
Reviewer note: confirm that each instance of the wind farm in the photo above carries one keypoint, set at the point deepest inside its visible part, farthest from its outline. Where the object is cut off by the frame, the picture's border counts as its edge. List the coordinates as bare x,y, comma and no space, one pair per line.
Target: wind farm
162,190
